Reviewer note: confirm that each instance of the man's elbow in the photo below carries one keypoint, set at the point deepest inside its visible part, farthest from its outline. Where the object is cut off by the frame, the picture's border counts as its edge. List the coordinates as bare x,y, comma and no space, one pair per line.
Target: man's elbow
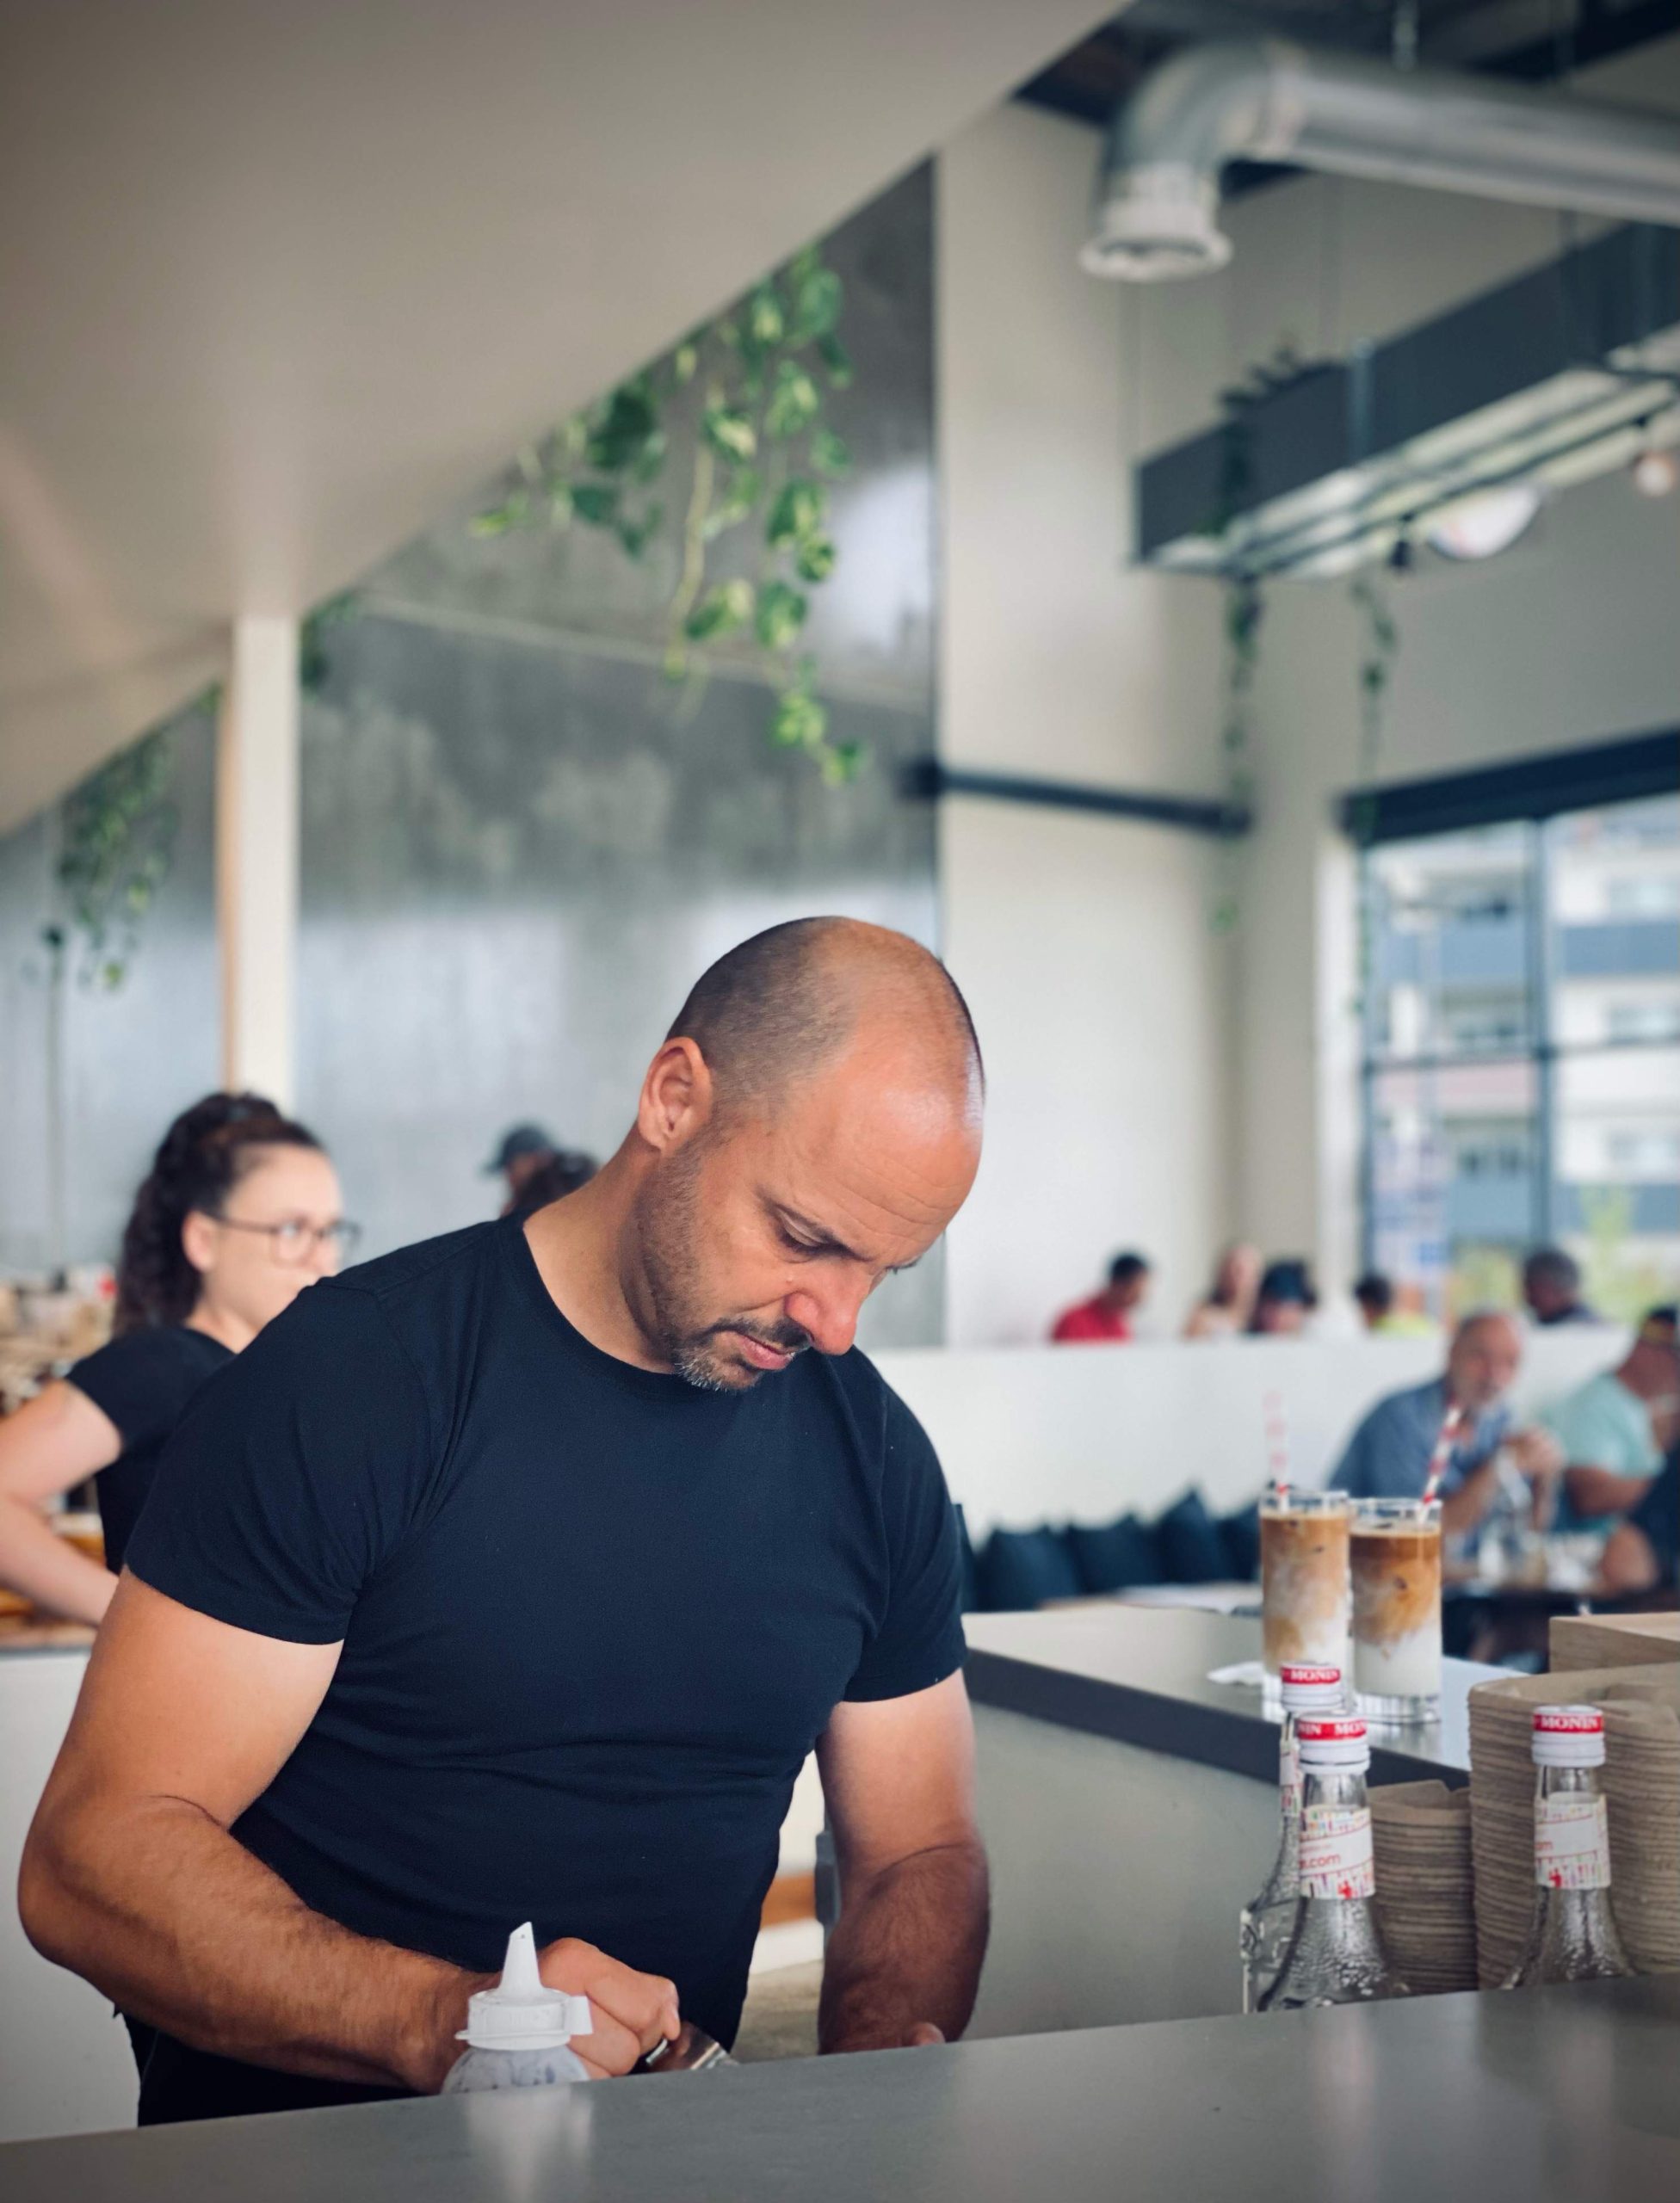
53,1919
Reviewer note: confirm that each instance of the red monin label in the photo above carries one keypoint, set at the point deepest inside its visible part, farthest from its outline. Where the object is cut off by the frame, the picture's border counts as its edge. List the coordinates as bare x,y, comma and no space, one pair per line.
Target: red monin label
1308,1677
1569,1721
1336,1858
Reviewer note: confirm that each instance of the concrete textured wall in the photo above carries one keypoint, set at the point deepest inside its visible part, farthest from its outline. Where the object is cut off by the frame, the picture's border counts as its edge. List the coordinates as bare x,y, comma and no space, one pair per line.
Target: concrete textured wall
131,1057
519,845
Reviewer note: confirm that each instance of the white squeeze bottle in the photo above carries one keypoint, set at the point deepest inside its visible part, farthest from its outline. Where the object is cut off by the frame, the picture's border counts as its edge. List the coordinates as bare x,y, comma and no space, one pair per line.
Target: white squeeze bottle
516,2034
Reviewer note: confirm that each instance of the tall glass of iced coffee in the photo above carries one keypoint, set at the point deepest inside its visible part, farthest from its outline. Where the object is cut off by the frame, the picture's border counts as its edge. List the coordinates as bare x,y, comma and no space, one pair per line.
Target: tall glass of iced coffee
1396,1557
1304,1580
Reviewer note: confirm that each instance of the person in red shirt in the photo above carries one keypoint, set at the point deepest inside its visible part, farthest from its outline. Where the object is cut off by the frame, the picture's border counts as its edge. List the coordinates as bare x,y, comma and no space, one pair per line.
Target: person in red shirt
1108,1314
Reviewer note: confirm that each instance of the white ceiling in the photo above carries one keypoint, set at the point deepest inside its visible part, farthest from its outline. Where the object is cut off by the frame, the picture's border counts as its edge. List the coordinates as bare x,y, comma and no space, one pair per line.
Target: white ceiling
282,277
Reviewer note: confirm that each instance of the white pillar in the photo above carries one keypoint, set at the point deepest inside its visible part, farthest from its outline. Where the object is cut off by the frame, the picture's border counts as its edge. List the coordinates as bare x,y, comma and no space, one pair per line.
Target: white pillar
257,858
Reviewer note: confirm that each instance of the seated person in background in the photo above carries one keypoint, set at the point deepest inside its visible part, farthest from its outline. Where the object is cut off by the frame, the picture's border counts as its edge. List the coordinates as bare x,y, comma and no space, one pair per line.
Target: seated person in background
1552,1287
1230,1301
1388,1456
521,1150
1614,1429
1391,1310
1643,1553
1287,1298
1108,1314
553,1179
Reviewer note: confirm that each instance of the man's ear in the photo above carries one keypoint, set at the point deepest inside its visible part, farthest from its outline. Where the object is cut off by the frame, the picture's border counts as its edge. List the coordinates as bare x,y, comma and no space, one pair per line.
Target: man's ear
677,1097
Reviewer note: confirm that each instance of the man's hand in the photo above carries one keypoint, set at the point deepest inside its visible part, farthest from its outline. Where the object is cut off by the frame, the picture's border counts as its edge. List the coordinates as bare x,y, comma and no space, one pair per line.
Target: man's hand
1536,1453
905,1960
630,2013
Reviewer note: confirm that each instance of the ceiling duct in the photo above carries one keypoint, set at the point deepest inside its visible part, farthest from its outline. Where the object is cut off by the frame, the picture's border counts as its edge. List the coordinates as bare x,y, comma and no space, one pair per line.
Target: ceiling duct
1566,372
1158,192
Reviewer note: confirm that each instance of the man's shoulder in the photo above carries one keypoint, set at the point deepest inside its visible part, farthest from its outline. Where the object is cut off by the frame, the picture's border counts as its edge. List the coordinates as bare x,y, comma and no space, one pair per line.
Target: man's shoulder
1410,1404
427,1264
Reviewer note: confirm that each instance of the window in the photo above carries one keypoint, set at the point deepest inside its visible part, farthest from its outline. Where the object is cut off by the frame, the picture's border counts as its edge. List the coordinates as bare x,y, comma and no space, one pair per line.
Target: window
1521,1053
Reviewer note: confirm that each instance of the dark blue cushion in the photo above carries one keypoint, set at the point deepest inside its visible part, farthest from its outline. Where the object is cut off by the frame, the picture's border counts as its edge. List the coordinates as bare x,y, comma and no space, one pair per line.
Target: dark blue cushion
1023,1568
1240,1535
1192,1551
1116,1556
971,1596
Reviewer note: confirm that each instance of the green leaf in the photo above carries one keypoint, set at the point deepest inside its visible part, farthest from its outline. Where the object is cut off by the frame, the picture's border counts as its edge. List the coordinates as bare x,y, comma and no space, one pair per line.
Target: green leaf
798,721
841,761
721,611
683,362
595,502
836,360
828,454
818,296
781,610
624,427
736,503
794,403
559,507
799,511
729,432
500,518
651,457
814,558
765,322
634,534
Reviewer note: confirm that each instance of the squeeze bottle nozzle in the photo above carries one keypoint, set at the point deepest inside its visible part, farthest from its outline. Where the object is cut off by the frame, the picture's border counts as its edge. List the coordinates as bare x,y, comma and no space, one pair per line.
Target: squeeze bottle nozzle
521,2012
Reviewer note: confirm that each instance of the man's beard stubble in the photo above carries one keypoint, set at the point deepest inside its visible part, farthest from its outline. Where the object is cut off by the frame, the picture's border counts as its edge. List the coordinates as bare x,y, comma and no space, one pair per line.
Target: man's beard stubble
670,1229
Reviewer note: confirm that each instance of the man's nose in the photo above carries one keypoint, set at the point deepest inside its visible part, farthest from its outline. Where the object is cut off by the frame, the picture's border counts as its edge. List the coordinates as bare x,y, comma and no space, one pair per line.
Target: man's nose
828,1313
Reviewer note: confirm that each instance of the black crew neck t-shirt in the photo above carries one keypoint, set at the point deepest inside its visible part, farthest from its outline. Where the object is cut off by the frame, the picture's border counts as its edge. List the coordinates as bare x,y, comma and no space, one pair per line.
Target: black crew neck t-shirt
593,1619
145,1381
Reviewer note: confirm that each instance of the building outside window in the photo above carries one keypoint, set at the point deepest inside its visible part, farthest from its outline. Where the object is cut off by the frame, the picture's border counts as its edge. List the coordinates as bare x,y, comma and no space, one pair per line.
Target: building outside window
1522,1053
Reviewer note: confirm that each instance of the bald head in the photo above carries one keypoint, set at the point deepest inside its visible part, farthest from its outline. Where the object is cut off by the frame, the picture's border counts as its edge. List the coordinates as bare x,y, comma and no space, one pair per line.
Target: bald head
794,1000
1486,1354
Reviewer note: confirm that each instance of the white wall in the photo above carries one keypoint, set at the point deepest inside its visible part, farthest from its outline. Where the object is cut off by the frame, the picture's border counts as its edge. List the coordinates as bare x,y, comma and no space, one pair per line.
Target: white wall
1084,1434
1096,981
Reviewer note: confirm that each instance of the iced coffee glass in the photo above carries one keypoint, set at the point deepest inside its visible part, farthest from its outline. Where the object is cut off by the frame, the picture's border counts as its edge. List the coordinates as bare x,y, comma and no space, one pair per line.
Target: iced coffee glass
1396,1557
1304,1580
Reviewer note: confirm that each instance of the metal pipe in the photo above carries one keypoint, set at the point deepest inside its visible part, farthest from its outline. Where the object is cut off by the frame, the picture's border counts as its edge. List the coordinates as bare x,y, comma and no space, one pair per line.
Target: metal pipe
1269,100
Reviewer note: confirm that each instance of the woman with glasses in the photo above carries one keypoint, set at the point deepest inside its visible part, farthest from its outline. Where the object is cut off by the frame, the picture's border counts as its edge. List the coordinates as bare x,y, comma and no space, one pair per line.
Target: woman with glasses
239,1212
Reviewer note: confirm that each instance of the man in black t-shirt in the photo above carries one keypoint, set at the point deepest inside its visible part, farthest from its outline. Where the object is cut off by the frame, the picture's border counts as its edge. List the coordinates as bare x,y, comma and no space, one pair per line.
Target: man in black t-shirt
513,1576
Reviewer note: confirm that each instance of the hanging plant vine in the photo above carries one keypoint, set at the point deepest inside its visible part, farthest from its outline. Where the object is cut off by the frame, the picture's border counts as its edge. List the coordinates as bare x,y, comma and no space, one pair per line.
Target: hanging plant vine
1378,645
118,844
756,381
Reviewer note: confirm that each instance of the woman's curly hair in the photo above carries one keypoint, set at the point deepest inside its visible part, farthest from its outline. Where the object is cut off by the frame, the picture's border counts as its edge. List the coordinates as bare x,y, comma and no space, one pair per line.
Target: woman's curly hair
203,1156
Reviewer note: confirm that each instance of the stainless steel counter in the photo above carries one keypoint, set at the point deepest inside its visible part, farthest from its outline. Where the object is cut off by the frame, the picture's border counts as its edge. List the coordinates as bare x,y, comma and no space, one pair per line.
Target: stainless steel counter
1130,1808
1138,1675
1561,2096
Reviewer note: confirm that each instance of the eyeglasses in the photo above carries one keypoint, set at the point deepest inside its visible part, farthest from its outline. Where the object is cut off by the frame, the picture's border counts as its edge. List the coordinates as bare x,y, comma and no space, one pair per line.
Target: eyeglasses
293,1242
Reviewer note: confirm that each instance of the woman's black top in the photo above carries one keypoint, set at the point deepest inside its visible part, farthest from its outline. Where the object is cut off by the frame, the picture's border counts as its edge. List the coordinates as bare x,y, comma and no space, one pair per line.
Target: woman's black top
143,1381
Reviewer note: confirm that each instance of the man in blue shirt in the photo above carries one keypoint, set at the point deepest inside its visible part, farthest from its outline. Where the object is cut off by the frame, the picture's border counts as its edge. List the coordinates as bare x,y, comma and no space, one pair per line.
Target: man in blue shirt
1388,1456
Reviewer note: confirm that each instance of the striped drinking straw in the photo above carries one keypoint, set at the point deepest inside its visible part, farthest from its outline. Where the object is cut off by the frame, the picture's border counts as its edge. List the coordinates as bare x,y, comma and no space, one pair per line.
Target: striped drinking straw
1277,1443
1443,1453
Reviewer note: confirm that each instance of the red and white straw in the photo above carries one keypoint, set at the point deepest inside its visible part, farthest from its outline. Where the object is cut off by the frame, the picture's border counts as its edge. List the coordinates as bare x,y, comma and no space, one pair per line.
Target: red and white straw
1277,1443
1443,1451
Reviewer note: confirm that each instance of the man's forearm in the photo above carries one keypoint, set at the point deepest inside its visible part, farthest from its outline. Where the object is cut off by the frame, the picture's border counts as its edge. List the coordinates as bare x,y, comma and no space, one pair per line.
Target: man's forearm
906,1952
163,1910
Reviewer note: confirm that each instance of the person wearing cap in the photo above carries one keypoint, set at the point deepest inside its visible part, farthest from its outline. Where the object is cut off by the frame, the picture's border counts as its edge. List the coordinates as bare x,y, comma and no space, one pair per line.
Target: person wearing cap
1285,1299
521,1151
1388,1456
1614,1429
514,1577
